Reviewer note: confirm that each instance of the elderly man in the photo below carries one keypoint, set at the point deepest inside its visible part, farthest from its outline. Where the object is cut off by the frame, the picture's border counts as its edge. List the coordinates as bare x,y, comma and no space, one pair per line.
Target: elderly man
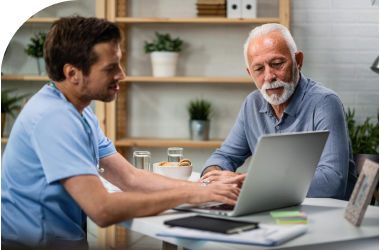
286,102
49,177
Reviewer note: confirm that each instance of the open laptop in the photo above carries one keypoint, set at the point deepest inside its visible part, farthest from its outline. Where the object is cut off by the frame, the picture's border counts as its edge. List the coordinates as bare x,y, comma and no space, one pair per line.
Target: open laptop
279,174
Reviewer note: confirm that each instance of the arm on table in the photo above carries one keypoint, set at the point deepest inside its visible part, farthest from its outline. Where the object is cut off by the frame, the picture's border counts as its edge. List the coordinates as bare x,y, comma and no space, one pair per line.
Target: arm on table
106,209
234,151
330,178
122,174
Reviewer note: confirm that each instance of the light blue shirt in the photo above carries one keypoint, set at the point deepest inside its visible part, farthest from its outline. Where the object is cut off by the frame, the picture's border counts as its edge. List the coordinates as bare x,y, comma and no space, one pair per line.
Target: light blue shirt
312,107
49,141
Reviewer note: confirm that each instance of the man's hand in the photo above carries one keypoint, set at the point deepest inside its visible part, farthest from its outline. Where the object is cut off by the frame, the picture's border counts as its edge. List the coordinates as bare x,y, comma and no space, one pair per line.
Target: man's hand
226,193
218,175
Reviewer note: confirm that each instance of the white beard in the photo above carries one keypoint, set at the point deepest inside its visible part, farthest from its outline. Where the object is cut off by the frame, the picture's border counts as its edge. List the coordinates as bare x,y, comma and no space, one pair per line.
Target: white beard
275,99
289,88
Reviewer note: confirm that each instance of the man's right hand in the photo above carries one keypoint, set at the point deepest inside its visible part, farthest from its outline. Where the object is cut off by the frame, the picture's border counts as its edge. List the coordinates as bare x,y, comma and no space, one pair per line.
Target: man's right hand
226,193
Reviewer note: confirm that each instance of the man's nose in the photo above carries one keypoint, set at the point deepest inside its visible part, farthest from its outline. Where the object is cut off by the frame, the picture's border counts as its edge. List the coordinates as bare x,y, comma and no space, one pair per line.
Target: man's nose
269,75
121,75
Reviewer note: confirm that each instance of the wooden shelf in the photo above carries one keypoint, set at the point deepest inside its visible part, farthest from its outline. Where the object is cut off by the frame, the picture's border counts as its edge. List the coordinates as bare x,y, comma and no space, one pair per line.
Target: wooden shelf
130,142
4,140
42,20
215,20
187,79
25,78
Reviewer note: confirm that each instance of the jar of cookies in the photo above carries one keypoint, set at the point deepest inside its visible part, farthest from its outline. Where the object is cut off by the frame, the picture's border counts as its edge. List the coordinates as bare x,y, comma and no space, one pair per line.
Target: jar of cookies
141,160
175,154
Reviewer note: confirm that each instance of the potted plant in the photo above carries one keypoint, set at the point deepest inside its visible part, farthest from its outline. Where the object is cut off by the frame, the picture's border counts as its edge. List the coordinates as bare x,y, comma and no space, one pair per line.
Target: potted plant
35,49
8,105
200,114
164,54
364,138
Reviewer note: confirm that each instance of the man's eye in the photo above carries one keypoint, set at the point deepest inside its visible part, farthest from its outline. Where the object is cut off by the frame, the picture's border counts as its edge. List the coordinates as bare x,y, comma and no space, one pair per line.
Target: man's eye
277,64
258,69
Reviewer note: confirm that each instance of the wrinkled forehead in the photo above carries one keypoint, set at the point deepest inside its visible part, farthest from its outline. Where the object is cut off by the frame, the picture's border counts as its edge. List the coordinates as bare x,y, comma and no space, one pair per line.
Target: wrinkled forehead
273,42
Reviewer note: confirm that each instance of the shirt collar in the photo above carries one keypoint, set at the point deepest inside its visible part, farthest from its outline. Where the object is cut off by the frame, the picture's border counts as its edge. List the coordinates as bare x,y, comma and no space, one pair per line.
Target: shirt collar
293,105
297,97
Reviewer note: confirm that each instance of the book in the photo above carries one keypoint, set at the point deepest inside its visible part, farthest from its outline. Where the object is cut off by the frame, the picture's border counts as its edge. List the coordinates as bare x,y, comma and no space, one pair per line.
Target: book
211,1
213,224
211,7
212,12
218,16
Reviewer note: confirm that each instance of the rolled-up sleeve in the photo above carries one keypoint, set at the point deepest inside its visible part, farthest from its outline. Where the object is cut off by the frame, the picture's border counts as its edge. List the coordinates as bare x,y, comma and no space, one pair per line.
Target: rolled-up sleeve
234,150
330,178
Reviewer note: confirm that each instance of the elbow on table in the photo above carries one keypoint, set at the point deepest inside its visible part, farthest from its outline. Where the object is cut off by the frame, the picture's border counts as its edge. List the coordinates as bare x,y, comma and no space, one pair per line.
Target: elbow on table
336,189
103,217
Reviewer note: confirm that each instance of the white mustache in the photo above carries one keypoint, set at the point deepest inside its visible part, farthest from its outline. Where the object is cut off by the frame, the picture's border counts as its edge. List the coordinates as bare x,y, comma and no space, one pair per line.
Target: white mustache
274,85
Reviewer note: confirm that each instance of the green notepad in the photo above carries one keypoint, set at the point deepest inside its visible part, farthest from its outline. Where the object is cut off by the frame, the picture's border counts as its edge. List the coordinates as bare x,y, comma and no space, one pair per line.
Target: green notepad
285,214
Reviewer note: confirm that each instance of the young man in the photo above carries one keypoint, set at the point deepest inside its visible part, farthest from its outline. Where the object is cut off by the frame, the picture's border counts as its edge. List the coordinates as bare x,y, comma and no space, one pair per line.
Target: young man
286,101
50,178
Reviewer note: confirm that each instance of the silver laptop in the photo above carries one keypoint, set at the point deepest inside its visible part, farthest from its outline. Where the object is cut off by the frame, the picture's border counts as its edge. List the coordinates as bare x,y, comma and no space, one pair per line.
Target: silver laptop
279,174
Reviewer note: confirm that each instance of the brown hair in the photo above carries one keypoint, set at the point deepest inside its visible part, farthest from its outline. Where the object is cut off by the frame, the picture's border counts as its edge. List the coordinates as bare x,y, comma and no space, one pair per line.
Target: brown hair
71,40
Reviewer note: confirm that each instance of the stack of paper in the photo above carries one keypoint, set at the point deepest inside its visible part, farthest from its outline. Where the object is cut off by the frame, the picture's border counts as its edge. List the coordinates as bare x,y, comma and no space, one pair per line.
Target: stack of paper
289,217
266,235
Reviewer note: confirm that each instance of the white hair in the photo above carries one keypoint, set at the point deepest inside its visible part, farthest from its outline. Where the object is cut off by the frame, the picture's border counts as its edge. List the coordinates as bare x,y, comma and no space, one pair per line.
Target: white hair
266,29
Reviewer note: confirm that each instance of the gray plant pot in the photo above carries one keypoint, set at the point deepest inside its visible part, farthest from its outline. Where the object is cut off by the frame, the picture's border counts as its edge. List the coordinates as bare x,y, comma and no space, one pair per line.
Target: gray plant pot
199,130
41,66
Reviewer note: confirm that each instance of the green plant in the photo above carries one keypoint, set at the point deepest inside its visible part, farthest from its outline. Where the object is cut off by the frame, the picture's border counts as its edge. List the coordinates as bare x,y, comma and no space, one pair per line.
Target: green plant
8,104
35,49
199,110
364,138
164,43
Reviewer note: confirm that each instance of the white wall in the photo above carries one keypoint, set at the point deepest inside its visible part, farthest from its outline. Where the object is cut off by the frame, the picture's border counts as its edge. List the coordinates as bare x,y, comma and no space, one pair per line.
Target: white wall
339,38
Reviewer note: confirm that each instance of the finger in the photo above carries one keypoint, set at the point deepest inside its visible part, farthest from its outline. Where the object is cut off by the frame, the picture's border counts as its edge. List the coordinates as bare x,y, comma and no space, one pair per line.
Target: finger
211,173
225,200
212,178
237,179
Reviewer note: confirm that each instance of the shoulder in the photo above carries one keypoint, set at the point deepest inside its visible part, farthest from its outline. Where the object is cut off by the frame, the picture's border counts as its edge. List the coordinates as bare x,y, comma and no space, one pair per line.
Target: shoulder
49,107
255,99
318,93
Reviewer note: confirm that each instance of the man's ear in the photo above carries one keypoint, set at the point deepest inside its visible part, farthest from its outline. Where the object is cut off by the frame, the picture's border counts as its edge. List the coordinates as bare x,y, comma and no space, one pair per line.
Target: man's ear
249,73
299,59
72,73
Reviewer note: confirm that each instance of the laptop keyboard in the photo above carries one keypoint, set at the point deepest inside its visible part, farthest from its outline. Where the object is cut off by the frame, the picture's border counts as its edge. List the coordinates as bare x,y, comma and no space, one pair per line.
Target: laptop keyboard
223,207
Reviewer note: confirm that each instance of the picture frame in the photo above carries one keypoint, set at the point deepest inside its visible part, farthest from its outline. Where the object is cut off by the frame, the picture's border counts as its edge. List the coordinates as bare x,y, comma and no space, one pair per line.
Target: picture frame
363,192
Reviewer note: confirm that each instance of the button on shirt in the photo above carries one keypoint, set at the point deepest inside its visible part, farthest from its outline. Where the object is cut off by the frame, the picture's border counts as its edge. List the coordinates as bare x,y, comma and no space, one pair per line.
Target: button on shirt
312,107
49,141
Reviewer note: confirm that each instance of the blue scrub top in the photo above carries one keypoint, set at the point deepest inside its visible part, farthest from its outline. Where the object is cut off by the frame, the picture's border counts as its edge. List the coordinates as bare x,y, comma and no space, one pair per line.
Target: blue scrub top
49,141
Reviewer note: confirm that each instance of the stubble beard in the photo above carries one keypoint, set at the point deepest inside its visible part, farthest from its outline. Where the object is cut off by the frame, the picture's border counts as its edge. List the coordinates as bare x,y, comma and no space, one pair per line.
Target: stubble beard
99,96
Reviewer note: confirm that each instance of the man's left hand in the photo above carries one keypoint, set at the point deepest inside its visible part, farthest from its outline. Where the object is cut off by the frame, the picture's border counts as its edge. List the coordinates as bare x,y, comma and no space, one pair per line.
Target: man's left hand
225,177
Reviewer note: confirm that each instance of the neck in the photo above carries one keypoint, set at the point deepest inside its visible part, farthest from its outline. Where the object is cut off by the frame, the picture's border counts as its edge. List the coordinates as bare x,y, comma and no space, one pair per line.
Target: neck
279,109
72,95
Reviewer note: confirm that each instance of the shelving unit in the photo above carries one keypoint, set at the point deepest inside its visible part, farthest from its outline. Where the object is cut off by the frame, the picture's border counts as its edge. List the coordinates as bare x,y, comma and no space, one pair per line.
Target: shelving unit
220,20
24,78
186,79
42,20
115,112
144,142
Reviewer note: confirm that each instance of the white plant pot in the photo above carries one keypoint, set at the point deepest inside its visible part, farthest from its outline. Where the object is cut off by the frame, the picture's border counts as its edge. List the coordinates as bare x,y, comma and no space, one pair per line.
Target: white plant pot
164,64
41,66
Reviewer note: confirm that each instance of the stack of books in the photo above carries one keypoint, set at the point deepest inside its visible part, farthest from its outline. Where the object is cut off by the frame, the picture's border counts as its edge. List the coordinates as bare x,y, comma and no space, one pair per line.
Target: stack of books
289,217
211,8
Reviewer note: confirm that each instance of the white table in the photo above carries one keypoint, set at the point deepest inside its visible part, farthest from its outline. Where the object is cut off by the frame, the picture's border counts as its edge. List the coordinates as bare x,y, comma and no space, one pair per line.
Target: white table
327,228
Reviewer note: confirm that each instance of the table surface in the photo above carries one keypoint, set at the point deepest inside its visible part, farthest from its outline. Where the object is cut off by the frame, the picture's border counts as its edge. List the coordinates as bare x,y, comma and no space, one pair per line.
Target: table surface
326,227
